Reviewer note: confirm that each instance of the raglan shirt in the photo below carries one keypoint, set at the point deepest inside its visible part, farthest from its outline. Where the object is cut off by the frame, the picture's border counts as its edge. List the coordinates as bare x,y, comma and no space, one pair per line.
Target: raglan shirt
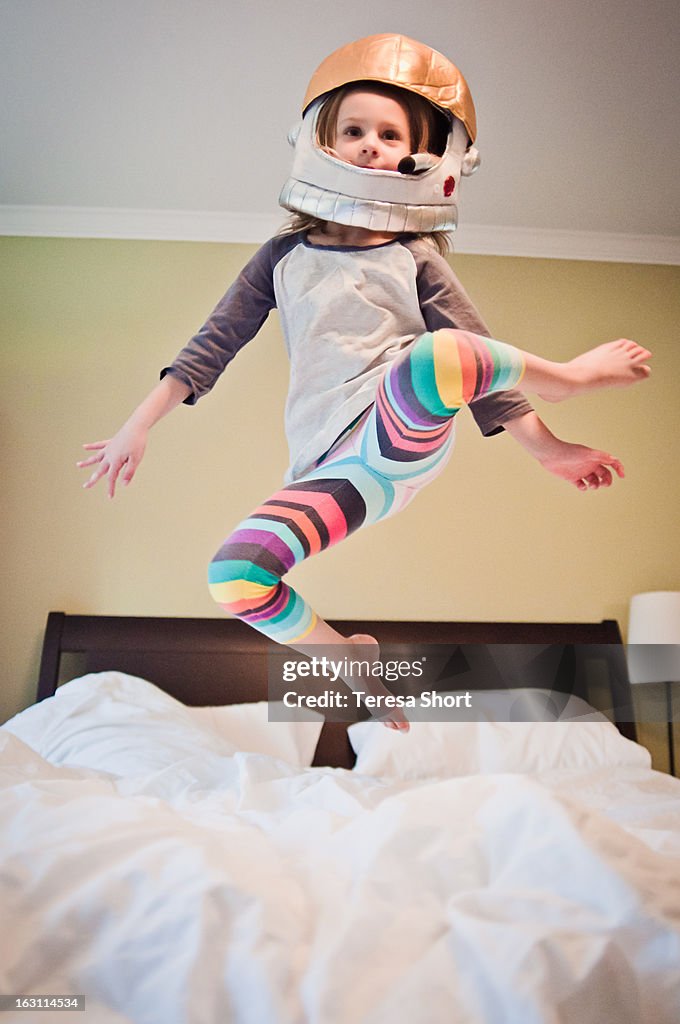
346,313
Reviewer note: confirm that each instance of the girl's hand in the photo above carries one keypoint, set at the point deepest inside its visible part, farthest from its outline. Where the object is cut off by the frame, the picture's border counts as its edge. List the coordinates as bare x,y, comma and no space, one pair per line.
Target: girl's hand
583,467
586,468
123,453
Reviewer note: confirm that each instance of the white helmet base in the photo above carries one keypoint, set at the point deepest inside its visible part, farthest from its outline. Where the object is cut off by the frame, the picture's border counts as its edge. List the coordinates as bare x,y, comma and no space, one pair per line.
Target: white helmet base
323,186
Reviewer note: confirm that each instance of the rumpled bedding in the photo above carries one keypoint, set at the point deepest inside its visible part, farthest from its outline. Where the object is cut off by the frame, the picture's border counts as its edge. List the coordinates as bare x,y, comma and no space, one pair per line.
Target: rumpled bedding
238,887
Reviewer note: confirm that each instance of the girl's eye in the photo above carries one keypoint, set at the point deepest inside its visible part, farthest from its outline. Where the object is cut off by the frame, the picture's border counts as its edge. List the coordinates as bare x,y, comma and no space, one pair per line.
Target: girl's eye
391,136
353,132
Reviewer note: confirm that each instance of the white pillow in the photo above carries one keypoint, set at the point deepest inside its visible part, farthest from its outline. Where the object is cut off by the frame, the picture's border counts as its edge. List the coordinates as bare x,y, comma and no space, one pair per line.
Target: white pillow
249,728
114,722
442,749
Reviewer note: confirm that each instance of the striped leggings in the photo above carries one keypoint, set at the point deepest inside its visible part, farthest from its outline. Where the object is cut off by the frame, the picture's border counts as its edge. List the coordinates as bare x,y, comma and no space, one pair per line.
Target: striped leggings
399,444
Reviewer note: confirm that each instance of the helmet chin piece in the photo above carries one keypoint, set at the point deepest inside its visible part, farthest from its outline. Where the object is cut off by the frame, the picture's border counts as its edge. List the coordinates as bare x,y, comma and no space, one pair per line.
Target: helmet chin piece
322,186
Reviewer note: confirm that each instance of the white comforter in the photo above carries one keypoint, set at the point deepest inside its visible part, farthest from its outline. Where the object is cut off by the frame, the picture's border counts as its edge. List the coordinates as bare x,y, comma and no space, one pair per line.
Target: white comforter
244,889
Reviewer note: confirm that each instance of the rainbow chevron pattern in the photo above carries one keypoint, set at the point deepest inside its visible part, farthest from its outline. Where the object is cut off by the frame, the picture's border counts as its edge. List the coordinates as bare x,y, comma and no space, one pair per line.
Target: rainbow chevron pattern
401,443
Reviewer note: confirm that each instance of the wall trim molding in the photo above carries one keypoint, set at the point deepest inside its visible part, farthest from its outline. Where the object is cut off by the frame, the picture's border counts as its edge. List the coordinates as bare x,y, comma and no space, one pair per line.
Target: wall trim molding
215,226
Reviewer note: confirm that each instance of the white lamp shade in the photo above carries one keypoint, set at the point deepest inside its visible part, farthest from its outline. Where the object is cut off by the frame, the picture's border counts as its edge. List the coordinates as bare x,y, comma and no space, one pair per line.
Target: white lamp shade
654,637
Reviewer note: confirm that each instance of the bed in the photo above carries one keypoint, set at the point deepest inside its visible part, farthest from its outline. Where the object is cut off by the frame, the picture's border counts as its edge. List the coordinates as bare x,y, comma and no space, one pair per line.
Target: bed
172,854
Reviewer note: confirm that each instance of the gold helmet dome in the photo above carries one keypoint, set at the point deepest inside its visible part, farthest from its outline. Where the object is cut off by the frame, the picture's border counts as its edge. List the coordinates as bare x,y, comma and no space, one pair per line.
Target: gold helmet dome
323,186
397,60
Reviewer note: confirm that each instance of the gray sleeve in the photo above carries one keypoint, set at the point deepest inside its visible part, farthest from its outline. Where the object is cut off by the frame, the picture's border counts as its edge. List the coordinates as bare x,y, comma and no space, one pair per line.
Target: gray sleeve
445,303
236,319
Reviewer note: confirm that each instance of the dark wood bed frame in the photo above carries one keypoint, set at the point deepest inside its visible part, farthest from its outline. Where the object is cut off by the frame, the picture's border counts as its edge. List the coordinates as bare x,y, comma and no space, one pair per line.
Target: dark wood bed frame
222,661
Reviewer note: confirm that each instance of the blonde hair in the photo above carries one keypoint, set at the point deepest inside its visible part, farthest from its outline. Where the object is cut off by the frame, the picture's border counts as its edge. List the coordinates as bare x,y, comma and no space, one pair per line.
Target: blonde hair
428,131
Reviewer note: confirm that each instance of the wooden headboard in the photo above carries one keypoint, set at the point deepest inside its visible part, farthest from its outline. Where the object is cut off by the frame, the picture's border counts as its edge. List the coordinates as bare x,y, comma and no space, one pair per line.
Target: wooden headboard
223,661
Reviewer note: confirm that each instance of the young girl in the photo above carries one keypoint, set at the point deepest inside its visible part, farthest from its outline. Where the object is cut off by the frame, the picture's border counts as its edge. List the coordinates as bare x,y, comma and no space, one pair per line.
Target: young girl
384,344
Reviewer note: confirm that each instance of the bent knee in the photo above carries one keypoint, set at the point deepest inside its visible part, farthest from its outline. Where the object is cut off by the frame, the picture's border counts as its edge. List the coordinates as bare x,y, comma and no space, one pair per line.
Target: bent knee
457,365
443,371
240,587
469,366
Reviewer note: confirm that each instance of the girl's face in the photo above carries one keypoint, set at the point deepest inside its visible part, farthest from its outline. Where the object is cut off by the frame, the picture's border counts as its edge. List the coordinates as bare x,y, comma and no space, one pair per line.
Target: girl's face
372,131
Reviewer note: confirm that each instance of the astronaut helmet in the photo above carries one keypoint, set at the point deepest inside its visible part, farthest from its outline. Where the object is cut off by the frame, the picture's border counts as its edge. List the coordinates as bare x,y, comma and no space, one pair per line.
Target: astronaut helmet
422,195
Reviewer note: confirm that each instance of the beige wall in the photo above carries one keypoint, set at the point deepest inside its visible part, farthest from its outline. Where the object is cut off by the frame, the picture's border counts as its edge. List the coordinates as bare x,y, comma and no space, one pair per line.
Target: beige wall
87,325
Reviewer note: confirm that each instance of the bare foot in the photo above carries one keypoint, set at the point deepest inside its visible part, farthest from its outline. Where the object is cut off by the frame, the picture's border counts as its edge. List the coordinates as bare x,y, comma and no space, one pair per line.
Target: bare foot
393,718
614,364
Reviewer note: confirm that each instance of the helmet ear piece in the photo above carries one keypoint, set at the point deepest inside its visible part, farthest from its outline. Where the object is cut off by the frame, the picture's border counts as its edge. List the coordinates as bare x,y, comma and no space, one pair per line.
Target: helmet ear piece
294,133
471,162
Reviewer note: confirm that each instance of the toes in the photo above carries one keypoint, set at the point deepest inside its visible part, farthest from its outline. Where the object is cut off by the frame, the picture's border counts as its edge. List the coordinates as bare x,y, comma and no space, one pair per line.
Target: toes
631,348
397,726
637,352
642,355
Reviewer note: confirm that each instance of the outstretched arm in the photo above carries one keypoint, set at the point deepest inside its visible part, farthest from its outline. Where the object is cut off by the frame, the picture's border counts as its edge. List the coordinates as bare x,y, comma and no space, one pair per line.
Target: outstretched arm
586,468
236,319
124,452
